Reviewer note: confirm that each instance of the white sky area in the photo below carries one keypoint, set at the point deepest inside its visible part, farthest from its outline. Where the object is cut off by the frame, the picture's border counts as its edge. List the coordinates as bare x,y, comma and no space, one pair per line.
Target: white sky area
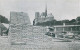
61,9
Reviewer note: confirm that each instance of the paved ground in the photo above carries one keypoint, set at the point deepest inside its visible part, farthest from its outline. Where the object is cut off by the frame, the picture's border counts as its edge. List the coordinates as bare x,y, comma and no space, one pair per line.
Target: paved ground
53,44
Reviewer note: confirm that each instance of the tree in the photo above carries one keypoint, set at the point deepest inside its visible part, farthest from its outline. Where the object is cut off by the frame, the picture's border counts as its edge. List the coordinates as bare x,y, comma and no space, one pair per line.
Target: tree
65,21
3,19
78,19
73,21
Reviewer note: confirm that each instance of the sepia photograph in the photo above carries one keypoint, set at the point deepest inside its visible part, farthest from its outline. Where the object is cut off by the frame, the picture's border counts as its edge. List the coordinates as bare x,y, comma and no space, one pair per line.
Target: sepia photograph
39,24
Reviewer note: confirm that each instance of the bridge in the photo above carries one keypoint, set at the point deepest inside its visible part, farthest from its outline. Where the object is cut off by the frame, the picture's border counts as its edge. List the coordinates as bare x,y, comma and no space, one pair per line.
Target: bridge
67,28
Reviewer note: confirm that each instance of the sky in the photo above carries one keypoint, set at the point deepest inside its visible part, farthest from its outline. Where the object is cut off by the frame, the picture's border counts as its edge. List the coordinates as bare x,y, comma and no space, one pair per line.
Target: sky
61,9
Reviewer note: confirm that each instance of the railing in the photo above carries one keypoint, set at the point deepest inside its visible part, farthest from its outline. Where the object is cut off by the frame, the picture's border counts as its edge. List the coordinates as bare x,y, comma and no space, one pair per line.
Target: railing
66,31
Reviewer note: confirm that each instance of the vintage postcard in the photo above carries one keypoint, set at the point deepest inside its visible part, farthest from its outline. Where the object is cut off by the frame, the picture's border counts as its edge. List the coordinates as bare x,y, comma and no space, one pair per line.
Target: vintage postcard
39,24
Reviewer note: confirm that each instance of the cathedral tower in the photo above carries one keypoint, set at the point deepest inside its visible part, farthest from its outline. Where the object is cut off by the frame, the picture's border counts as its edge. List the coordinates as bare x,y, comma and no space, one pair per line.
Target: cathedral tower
46,10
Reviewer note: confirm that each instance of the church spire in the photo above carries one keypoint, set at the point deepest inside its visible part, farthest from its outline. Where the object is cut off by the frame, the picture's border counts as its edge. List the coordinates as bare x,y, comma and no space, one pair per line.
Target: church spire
46,10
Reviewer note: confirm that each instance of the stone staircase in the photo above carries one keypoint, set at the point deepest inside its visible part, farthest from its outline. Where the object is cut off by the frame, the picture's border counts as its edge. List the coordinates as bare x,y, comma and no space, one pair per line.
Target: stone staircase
28,34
